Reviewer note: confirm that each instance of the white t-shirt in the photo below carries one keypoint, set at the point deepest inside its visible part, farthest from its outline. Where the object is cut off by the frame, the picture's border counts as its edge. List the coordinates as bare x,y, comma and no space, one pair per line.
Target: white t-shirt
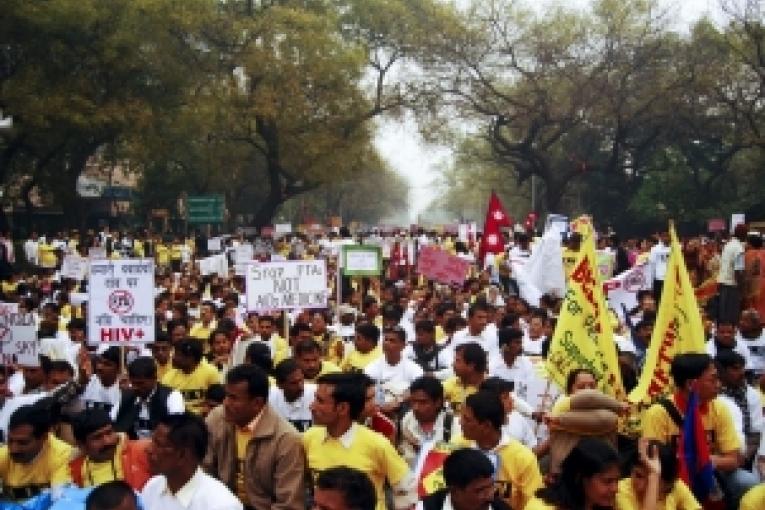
298,412
519,427
756,348
405,372
519,373
533,346
731,260
489,342
740,348
98,395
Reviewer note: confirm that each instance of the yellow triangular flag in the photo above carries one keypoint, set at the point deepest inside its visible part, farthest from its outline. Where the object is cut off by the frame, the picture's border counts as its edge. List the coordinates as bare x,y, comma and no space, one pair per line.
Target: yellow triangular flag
678,328
583,337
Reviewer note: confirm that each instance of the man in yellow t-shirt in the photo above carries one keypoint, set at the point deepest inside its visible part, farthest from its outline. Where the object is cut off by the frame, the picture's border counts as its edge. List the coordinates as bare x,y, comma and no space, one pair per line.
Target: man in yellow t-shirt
470,371
34,459
307,354
698,372
191,375
516,471
754,499
337,440
206,325
365,348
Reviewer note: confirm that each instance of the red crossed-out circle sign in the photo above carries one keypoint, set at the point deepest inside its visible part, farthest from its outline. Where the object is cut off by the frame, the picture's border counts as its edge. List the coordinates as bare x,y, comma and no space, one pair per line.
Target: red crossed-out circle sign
121,302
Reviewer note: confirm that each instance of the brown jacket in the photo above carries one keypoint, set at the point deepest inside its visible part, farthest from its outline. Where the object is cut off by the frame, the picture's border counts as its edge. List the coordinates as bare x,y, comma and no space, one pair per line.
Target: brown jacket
274,467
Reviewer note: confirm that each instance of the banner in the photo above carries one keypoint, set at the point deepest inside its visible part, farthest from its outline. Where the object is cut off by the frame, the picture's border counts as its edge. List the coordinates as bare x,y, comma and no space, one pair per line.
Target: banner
622,289
439,265
18,340
214,244
583,337
287,285
678,328
121,302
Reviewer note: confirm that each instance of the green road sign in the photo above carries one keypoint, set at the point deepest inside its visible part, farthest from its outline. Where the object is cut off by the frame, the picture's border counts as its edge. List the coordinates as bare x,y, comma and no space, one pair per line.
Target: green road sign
205,209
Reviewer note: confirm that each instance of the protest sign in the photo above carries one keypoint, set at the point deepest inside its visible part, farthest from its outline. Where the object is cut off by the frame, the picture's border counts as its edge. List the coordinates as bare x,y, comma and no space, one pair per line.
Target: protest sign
361,260
439,265
244,253
283,228
18,340
121,302
74,267
622,290
214,244
287,285
97,252
6,308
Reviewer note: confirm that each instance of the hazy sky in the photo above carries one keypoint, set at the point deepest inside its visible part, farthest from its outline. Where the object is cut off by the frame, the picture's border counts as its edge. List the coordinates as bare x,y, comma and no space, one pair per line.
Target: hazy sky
401,145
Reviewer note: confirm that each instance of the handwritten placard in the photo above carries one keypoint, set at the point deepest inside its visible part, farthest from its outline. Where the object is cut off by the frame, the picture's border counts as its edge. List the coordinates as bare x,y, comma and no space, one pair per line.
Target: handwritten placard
287,285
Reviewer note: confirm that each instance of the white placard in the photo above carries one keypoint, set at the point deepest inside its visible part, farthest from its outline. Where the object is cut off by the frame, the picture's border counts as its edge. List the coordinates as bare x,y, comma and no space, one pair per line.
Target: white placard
18,340
121,302
97,252
6,308
243,254
736,219
74,267
362,260
214,244
287,285
283,228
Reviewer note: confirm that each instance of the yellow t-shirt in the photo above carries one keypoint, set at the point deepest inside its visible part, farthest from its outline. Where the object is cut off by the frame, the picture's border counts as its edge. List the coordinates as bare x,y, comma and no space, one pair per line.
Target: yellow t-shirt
717,422
538,504
138,248
10,287
681,497
517,476
163,254
47,255
368,451
455,392
279,347
356,361
242,439
202,332
440,334
96,473
194,385
176,252
49,468
754,499
562,405
162,370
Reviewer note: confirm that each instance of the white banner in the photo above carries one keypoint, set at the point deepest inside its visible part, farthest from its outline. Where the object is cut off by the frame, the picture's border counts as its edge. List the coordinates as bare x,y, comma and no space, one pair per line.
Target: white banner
18,340
121,302
287,285
621,290
283,228
243,254
74,267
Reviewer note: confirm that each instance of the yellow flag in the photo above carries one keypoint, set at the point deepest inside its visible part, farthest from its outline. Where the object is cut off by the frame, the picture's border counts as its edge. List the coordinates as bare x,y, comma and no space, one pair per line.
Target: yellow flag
583,337
678,328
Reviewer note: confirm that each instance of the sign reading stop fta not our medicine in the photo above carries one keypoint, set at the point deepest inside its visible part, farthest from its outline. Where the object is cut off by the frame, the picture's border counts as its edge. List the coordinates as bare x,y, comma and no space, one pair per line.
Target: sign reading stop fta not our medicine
287,285
121,302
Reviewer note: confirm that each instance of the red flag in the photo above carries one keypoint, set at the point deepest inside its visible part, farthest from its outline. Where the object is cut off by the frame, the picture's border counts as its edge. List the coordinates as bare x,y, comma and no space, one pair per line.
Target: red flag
496,217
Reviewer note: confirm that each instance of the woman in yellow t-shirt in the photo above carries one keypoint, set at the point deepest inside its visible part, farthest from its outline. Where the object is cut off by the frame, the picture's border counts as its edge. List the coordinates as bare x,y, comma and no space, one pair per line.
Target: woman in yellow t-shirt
589,479
673,493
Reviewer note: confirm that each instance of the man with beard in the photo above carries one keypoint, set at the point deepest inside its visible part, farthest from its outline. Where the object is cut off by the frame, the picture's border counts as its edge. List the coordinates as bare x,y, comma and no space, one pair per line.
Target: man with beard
307,355
292,397
105,454
33,459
